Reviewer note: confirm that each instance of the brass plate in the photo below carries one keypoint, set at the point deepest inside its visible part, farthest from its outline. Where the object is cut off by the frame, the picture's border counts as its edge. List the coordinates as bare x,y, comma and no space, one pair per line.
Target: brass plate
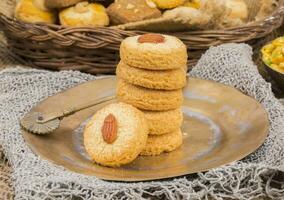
221,125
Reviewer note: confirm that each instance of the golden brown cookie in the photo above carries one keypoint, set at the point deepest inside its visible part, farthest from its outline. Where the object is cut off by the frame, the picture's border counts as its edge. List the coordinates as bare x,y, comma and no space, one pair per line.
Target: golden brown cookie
84,14
153,51
148,99
165,79
157,144
162,122
33,11
116,135
125,11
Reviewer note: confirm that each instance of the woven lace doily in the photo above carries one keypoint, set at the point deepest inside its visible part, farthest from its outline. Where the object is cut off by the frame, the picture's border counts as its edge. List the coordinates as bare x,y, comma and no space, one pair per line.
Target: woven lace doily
254,177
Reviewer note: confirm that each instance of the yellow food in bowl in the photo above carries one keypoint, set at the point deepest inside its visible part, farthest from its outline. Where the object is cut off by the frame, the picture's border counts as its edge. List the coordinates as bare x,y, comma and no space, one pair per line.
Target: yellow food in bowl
273,54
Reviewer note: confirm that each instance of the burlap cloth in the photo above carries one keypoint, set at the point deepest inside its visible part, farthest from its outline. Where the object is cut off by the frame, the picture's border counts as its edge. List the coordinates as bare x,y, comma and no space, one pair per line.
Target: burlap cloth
271,184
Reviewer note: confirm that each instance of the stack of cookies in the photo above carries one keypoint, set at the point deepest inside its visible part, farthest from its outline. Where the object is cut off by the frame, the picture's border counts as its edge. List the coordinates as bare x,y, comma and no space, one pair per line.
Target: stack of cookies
151,75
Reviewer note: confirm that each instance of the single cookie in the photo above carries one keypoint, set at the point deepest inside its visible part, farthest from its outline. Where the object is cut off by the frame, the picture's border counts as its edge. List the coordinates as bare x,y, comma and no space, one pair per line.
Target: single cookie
84,14
166,4
165,79
125,11
33,11
162,122
148,99
116,135
153,51
157,144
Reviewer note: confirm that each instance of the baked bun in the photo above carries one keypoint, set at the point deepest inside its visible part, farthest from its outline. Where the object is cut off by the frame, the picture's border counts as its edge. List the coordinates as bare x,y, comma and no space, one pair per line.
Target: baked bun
34,11
84,14
60,3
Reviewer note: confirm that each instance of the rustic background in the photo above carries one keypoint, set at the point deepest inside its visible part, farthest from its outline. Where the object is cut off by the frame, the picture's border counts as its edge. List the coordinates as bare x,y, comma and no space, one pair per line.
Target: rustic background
8,59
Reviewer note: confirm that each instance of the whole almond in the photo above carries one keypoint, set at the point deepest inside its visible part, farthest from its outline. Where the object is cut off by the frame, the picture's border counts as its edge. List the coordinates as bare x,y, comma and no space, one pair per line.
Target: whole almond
109,129
151,38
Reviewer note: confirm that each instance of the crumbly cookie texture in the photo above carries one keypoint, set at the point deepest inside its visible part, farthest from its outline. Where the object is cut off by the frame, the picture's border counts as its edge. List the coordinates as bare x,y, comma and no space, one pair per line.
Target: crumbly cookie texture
148,99
163,79
157,144
170,54
125,146
126,11
34,12
168,4
163,122
84,14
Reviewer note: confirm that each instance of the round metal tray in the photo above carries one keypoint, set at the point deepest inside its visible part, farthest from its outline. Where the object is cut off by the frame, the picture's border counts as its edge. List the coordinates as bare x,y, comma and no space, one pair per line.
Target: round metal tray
221,125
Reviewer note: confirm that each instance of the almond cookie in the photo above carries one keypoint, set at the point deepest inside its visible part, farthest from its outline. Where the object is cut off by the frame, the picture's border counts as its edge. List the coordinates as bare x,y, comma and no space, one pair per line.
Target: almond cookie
116,135
157,144
84,14
153,51
165,79
148,99
162,122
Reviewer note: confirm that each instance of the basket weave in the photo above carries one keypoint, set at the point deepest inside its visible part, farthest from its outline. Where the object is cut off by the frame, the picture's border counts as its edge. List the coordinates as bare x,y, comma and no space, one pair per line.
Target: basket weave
95,50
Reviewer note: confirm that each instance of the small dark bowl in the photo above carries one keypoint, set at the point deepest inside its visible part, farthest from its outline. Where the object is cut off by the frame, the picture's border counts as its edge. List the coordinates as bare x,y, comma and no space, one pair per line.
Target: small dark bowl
277,76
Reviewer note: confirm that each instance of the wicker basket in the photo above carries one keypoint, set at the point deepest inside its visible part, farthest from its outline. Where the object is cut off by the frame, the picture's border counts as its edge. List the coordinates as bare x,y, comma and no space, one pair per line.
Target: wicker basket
95,50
